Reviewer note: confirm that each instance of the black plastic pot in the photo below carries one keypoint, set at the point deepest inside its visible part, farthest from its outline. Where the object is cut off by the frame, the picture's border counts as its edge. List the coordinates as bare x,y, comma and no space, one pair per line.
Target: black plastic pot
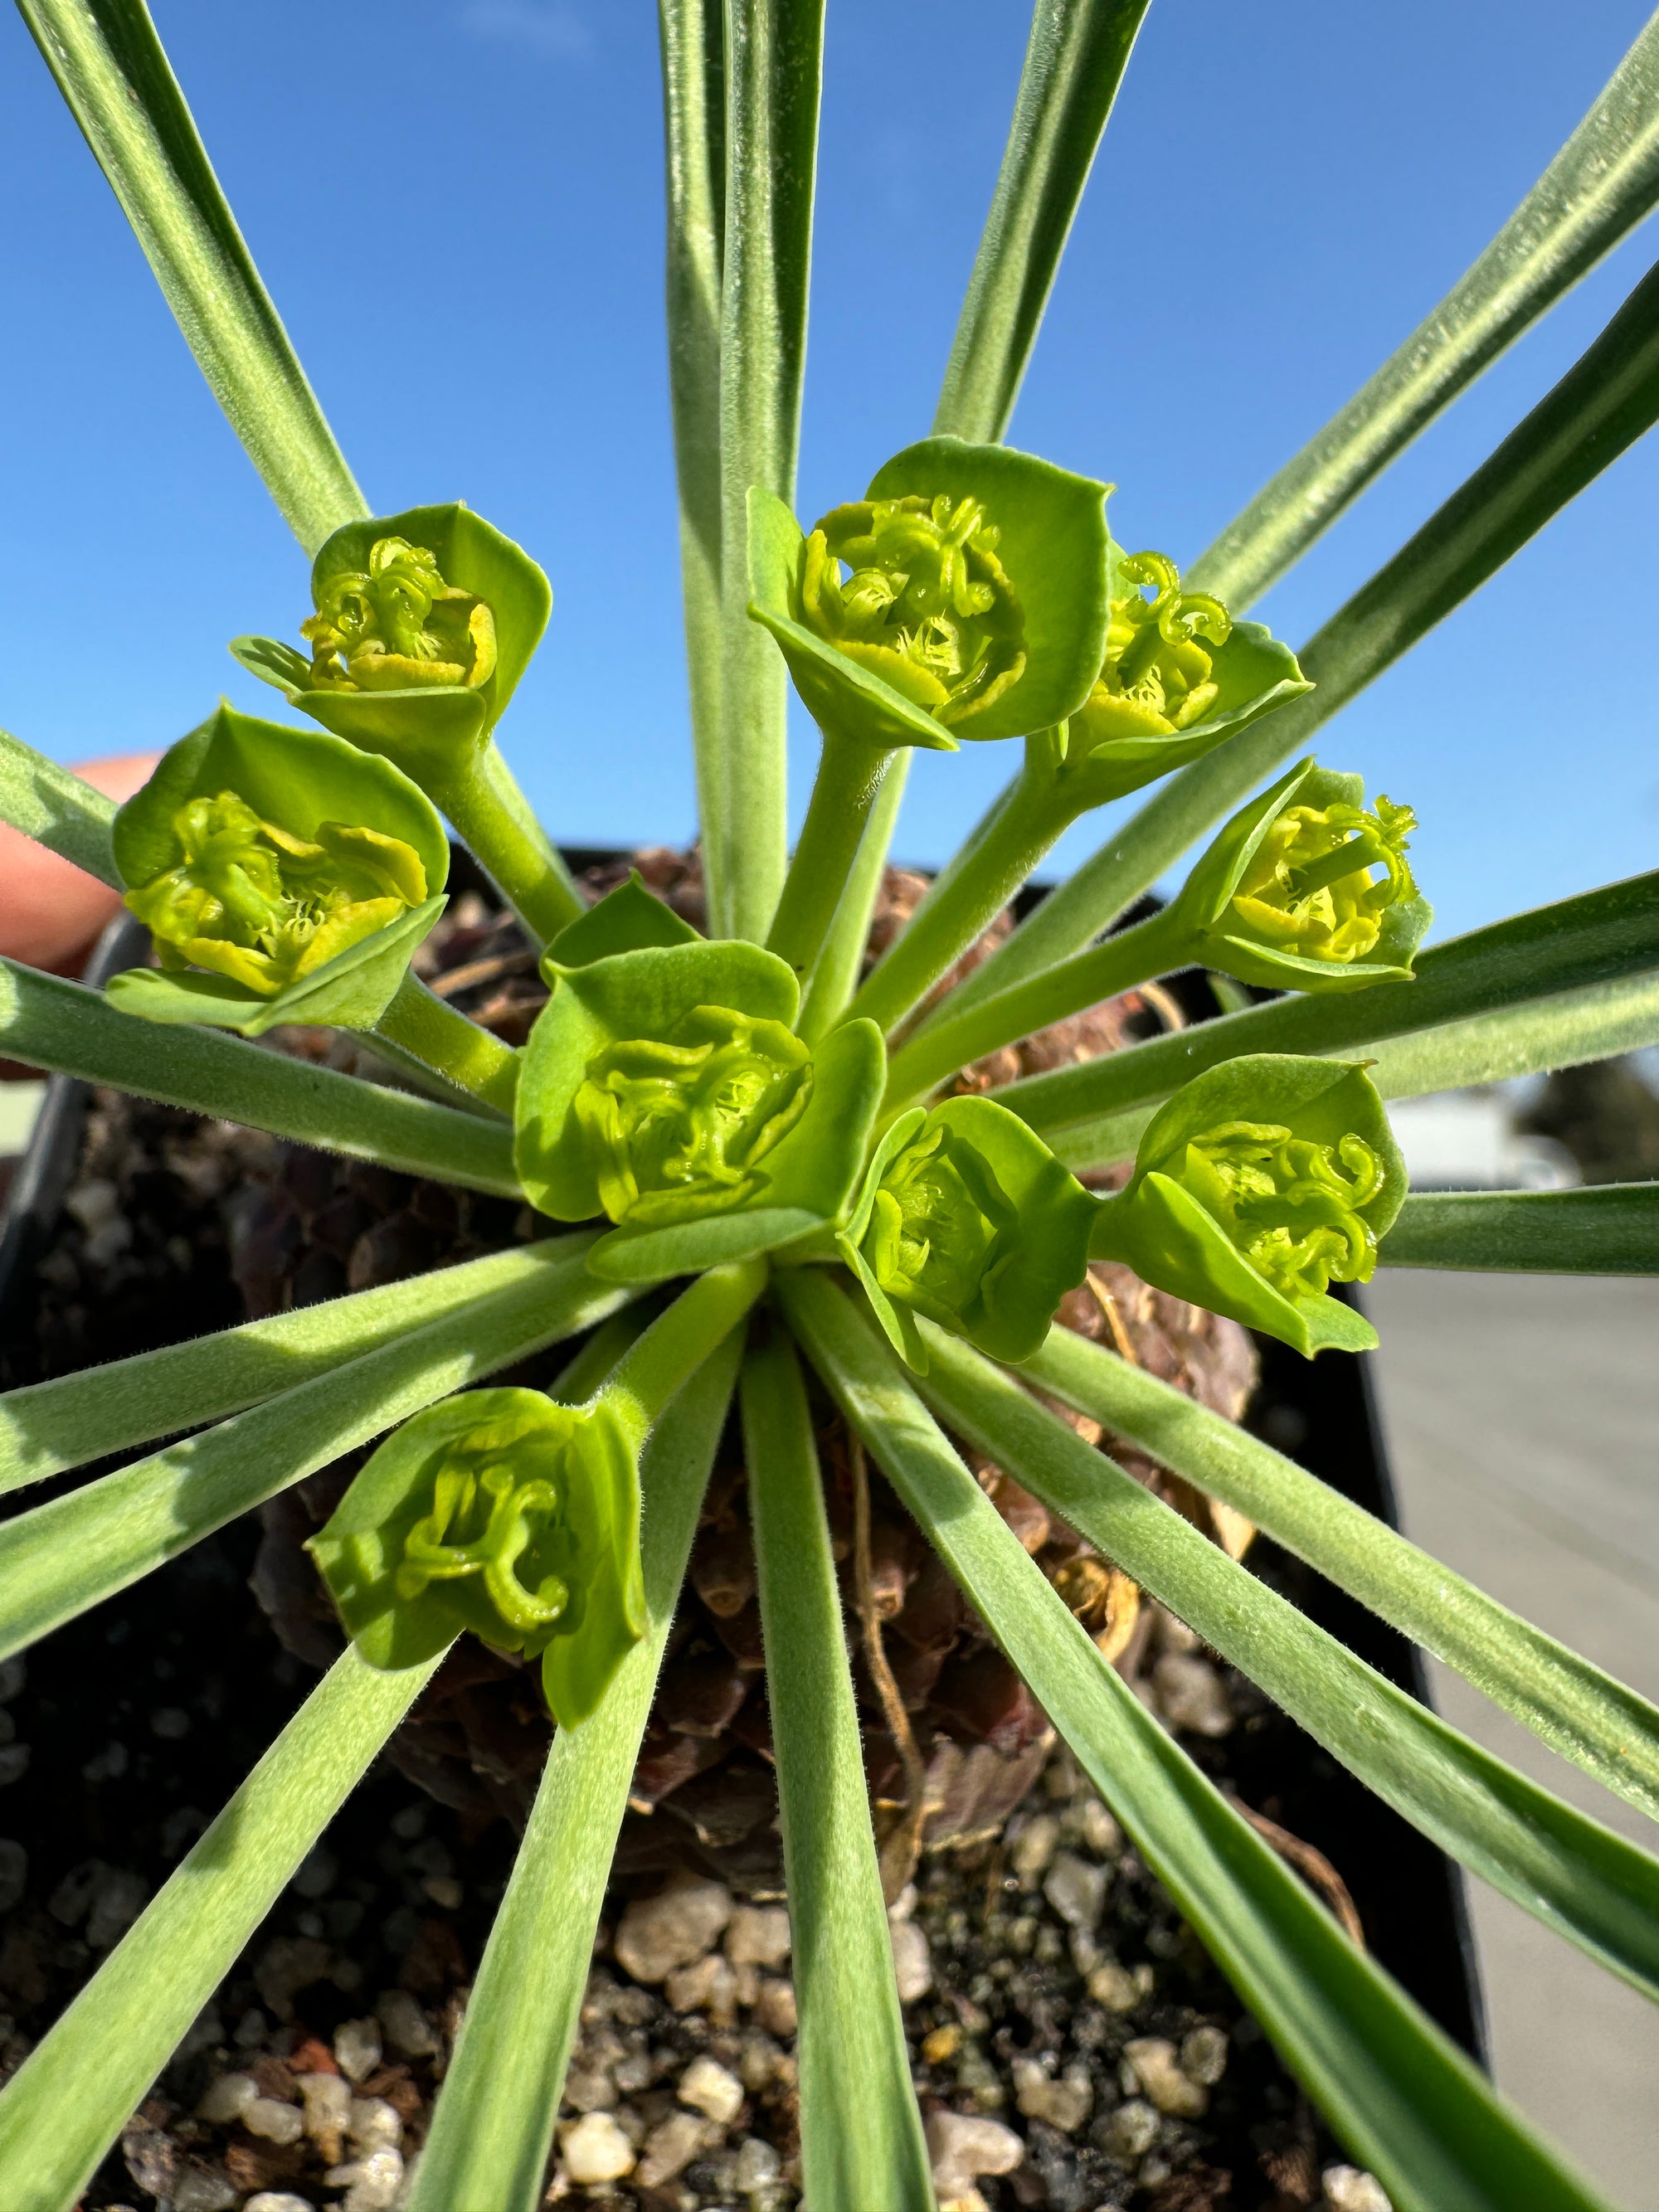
1409,1895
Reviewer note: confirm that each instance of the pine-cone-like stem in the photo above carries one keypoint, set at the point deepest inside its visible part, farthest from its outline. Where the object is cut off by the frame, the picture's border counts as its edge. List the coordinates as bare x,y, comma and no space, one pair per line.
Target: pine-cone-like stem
963,1722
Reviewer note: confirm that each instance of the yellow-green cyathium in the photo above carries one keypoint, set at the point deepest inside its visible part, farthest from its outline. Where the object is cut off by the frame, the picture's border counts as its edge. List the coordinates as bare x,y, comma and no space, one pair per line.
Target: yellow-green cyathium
283,875
1260,1183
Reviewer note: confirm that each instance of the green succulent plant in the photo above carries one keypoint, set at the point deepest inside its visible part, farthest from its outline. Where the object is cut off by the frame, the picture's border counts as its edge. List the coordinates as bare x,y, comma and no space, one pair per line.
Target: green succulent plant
759,1160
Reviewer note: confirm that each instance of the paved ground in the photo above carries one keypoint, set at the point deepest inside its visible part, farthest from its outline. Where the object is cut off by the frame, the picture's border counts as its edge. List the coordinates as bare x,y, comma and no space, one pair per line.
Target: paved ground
1523,1421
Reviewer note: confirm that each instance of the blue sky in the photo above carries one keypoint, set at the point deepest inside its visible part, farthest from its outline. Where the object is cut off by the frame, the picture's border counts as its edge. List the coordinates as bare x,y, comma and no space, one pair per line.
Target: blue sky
457,206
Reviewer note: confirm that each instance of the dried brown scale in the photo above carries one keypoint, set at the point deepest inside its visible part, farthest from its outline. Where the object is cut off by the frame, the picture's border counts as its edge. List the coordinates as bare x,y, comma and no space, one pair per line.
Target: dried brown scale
703,1792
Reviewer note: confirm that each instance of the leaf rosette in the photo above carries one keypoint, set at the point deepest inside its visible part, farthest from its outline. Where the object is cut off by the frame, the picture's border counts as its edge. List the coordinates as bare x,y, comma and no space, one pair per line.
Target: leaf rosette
966,1218
504,1513
973,604
1262,1182
1306,889
1178,675
283,875
425,621
664,1087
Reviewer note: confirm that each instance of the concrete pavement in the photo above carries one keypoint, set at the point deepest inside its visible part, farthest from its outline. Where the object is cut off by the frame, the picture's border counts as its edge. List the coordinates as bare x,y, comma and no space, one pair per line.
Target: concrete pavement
1522,1418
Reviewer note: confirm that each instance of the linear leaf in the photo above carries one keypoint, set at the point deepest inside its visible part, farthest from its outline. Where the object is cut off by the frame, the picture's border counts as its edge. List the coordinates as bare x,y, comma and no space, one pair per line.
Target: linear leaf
1611,1228
774,58
1598,938
74,2092
110,69
693,41
49,1023
59,1559
1406,2102
1576,1709
57,809
1556,1863
1075,63
1600,185
46,1427
1605,402
488,2148
862,2139
1562,1031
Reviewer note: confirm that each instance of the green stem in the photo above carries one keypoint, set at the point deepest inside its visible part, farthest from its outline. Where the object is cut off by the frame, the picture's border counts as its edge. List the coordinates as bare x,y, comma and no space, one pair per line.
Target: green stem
110,69
68,2101
54,807
48,1023
440,1036
861,2137
844,793
495,821
693,39
972,890
490,2134
1155,946
659,1363
835,977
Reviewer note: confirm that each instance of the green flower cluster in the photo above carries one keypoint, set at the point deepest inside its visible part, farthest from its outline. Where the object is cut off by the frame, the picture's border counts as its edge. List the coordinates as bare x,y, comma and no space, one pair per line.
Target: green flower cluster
396,623
506,1513
1263,1181
928,607
249,900
1156,678
677,1128
284,876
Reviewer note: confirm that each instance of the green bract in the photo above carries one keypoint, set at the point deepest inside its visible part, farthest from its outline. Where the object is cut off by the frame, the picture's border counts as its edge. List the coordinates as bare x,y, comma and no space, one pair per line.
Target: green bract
1305,890
425,621
966,1216
1262,1182
506,1513
298,873
975,607
1178,676
665,1088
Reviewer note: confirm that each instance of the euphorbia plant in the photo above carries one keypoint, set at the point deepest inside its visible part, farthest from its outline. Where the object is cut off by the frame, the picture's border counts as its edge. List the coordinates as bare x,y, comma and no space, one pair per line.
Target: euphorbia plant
756,1157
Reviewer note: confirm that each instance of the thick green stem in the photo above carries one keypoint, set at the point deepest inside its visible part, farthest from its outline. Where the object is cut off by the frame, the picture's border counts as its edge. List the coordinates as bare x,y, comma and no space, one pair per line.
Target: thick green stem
835,977
861,2136
495,822
693,38
440,1036
66,2104
660,1363
1155,946
47,1023
844,793
972,890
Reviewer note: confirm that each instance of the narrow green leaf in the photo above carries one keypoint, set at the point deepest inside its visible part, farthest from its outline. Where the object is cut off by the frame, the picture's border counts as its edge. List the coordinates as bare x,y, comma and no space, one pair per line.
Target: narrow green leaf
774,66
48,1023
110,69
1562,1031
862,2139
1611,1228
1605,402
1573,1707
1604,936
1075,63
70,2099
48,1426
488,2148
693,41
1406,2101
55,808
59,1559
1566,1869
1600,185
